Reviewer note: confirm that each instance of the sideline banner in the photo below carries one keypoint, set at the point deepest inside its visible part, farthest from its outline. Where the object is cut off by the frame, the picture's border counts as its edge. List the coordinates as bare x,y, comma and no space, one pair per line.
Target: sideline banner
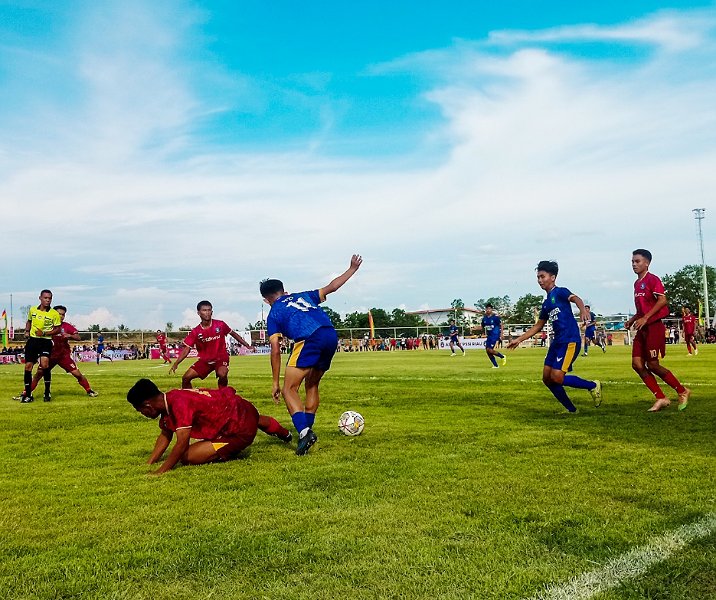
474,343
155,353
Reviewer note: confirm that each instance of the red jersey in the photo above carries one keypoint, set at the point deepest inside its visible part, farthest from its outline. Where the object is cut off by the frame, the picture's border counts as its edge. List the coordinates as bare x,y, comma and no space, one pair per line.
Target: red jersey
646,291
208,413
210,342
61,346
689,324
162,339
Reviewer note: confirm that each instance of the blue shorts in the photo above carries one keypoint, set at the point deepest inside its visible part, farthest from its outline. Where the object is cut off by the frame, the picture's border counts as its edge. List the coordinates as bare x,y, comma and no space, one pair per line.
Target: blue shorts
589,332
316,351
454,340
561,356
491,342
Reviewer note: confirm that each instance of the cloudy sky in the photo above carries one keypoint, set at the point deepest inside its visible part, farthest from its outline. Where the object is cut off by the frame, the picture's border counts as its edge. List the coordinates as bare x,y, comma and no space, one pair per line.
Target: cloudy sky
153,154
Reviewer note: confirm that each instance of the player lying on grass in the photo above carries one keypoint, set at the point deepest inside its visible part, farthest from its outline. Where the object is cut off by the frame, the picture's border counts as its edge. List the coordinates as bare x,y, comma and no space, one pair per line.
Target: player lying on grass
298,318
222,421
564,350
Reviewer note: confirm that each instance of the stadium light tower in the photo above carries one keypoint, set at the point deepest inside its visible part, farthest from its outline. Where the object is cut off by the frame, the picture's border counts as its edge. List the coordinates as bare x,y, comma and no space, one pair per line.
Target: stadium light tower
699,216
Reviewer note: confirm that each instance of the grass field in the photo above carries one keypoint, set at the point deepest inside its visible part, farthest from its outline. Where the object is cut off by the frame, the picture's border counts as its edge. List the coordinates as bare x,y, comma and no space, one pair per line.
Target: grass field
467,482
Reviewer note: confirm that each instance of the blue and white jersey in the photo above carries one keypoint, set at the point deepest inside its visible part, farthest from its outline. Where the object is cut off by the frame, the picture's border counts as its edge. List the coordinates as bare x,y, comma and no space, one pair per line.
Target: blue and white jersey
492,326
557,309
297,316
453,331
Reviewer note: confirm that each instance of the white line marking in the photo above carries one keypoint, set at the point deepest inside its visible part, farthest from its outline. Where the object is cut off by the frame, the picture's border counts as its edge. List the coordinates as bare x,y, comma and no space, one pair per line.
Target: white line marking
630,565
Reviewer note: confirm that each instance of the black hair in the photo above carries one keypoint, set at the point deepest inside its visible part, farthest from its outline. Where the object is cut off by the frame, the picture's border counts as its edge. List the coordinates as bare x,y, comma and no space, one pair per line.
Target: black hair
548,266
488,305
46,292
60,307
204,303
642,252
270,286
141,391
587,306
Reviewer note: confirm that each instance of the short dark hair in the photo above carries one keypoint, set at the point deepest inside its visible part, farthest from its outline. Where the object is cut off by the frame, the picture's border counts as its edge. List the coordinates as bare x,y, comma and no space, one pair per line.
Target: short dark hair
46,292
488,305
548,266
270,286
60,307
587,306
204,303
642,252
141,391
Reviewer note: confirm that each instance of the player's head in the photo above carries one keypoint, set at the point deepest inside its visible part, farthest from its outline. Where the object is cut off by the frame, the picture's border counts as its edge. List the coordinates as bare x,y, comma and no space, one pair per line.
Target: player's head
452,321
587,306
159,330
45,298
271,289
547,271
140,396
687,310
62,310
640,260
488,309
204,309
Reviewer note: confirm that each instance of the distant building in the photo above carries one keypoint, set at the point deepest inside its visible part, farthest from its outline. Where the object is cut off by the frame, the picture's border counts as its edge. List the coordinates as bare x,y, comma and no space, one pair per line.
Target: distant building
435,316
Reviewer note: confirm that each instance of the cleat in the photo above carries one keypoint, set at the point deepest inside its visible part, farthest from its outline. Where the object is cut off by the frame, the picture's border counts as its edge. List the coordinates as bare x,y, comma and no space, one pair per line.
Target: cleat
696,351
684,399
305,443
688,354
495,367
27,399
504,361
285,438
453,354
659,404
463,353
47,398
92,394
604,349
596,393
20,397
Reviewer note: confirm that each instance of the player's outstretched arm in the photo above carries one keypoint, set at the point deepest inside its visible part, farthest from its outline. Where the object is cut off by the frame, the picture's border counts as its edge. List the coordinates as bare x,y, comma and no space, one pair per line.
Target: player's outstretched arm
160,446
356,261
584,315
239,339
276,368
180,447
182,355
536,328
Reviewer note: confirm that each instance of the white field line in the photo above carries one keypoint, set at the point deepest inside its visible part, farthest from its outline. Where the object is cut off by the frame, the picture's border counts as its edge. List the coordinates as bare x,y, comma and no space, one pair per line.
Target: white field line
630,565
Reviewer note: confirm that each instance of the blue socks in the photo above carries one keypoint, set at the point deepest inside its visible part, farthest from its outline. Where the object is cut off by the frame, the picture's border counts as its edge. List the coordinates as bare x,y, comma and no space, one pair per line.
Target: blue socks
303,420
561,395
578,382
310,419
500,355
492,359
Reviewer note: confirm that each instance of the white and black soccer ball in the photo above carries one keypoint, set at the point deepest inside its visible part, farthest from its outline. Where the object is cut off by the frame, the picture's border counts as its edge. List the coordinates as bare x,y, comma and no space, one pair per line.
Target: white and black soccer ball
351,423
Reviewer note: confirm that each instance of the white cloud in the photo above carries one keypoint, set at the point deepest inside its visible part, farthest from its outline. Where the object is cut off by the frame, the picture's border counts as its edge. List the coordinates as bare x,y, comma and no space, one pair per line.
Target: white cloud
100,316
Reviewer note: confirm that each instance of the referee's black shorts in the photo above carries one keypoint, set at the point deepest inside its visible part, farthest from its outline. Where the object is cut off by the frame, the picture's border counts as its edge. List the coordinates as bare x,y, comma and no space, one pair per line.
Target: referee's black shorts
37,347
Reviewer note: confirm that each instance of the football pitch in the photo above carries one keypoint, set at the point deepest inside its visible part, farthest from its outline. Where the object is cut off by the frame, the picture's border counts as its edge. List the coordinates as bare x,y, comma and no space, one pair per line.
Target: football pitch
468,482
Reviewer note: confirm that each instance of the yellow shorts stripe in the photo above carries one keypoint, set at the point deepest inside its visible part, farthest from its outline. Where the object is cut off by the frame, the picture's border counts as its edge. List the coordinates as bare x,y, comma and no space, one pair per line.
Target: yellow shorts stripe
569,356
219,445
295,353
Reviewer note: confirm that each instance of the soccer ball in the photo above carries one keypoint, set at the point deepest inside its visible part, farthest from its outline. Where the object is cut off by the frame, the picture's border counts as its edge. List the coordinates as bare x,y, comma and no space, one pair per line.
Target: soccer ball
351,423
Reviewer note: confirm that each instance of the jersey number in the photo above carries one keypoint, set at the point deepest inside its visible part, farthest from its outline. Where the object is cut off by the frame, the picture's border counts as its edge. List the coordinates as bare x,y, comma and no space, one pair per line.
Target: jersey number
301,305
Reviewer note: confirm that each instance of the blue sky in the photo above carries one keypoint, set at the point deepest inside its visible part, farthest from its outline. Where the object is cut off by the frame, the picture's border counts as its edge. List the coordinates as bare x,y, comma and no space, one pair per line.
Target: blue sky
153,154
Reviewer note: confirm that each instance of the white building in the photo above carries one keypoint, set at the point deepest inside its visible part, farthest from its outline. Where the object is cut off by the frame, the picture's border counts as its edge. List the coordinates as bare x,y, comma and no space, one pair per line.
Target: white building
435,316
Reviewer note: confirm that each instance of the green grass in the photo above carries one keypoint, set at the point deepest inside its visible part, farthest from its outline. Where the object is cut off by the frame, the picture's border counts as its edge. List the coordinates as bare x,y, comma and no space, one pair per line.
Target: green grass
467,482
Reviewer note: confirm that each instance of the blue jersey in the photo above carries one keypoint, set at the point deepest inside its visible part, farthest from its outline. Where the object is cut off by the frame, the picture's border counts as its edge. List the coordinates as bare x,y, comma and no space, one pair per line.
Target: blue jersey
297,316
591,325
492,326
452,332
557,309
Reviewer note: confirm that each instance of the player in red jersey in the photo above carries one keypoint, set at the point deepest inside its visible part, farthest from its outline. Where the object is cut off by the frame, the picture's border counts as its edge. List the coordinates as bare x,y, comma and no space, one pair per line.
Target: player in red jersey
62,355
649,341
209,339
221,420
689,321
162,341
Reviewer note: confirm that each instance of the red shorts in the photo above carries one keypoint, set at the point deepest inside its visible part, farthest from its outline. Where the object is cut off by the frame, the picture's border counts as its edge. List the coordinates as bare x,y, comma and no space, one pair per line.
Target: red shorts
650,342
204,367
229,446
65,362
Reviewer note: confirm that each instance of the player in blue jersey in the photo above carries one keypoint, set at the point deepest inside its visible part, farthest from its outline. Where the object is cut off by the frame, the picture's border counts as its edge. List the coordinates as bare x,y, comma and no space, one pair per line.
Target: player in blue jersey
564,350
492,326
298,318
453,332
590,331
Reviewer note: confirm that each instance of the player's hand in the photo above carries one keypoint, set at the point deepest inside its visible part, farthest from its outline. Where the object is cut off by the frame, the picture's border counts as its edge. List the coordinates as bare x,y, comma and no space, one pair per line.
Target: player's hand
512,345
356,261
39,332
276,393
173,368
639,323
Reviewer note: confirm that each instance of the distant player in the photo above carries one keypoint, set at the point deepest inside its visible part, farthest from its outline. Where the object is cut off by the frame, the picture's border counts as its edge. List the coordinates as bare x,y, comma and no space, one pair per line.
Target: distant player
689,321
590,331
209,339
163,350
62,355
650,341
453,332
100,347
42,323
492,326
564,350
299,318
221,421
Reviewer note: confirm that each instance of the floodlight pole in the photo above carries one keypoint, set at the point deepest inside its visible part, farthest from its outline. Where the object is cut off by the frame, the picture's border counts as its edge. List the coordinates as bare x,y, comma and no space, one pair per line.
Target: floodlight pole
699,216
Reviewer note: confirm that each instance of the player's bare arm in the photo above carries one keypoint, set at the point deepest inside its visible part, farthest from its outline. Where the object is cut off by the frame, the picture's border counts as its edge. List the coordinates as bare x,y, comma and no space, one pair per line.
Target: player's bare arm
239,339
535,329
180,447
160,446
356,261
584,315
276,368
182,355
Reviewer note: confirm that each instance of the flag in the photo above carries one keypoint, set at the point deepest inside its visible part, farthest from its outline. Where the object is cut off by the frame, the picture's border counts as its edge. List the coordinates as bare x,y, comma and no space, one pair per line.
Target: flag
4,328
370,324
701,318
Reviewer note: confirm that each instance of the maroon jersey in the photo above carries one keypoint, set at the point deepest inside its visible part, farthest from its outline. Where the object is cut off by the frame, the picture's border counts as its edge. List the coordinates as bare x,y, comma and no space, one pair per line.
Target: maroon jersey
61,346
209,341
689,324
208,413
162,339
646,291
